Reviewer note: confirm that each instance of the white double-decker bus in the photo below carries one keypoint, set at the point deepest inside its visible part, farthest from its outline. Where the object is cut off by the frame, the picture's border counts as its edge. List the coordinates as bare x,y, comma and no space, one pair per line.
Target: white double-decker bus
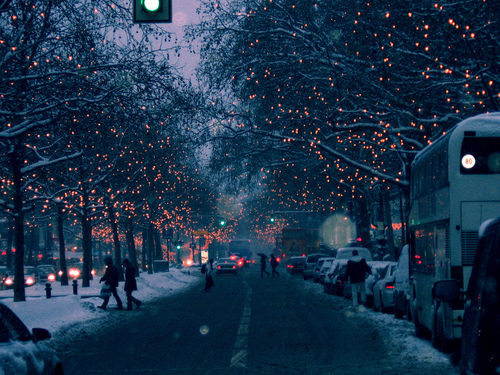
455,186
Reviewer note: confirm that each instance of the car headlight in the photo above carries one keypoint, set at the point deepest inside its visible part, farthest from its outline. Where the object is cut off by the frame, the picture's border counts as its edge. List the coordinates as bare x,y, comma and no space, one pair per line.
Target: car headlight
51,277
73,272
9,281
29,281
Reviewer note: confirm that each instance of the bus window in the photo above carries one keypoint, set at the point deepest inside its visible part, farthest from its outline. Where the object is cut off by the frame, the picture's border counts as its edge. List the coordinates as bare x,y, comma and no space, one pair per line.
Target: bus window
480,155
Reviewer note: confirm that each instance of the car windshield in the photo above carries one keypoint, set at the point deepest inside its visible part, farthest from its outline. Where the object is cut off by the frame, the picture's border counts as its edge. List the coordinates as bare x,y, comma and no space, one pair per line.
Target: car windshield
28,271
45,269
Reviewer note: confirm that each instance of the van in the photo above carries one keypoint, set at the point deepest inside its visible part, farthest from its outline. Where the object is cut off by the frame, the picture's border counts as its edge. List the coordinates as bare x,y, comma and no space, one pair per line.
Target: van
310,265
480,348
346,253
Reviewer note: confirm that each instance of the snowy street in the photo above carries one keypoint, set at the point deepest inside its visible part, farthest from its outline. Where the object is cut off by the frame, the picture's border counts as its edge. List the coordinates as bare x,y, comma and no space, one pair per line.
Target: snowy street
286,325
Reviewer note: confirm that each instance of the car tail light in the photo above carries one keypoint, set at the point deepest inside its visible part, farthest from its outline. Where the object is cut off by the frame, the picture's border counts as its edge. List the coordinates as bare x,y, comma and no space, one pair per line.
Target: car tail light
218,267
389,286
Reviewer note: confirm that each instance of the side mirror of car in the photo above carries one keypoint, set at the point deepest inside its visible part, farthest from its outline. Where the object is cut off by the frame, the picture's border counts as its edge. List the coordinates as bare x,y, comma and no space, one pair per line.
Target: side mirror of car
446,290
41,334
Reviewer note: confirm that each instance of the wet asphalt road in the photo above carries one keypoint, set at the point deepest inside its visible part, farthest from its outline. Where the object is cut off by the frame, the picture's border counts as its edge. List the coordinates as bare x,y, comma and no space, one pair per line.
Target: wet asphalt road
245,325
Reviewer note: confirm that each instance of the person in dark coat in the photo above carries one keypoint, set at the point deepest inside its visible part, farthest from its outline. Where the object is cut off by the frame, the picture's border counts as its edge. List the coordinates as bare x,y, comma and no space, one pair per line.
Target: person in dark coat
111,277
130,284
274,264
263,261
209,279
356,271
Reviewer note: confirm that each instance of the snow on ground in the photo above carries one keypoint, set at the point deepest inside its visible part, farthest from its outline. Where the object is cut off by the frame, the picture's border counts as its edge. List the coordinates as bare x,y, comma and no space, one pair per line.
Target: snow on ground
68,314
398,334
64,309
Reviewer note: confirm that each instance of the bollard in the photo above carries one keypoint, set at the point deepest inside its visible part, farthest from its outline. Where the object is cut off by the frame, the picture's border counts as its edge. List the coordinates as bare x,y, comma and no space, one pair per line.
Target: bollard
75,286
48,290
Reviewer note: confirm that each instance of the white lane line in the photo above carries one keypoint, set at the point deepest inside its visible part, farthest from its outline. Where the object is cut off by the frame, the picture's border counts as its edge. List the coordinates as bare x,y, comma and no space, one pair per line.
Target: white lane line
239,357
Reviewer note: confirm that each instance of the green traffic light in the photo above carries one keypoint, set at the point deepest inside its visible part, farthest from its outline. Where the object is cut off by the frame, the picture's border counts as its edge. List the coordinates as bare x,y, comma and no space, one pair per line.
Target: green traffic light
223,222
151,5
273,220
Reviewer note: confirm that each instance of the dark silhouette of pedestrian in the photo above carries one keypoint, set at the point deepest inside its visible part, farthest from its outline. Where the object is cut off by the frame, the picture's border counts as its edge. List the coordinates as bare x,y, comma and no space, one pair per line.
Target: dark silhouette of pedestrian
274,264
130,284
111,277
356,271
209,279
263,261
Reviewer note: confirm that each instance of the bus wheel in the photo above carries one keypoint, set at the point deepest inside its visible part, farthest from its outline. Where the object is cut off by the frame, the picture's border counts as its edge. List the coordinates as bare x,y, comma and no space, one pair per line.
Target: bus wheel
435,339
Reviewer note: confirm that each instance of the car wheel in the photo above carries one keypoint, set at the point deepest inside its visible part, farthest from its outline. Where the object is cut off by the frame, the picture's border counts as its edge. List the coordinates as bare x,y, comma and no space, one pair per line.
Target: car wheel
399,311
408,312
419,328
383,308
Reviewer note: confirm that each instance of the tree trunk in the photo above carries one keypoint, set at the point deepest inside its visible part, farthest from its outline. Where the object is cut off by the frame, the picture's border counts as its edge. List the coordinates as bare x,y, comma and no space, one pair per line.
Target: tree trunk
144,248
62,245
158,250
87,243
388,224
363,223
132,252
150,248
10,239
116,240
19,292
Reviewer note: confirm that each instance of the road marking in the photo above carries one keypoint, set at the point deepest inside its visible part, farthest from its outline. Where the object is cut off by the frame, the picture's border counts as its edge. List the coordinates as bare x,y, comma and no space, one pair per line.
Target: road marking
239,357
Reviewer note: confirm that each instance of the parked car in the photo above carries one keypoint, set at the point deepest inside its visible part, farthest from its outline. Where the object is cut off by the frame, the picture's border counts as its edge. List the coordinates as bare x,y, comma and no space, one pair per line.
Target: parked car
322,267
46,272
402,286
383,290
21,351
295,264
226,265
377,268
334,277
30,278
310,265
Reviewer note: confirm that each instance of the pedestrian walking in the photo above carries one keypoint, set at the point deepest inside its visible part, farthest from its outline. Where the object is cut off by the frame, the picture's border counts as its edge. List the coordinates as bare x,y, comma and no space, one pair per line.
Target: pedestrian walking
274,264
130,284
209,280
111,277
263,261
356,271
